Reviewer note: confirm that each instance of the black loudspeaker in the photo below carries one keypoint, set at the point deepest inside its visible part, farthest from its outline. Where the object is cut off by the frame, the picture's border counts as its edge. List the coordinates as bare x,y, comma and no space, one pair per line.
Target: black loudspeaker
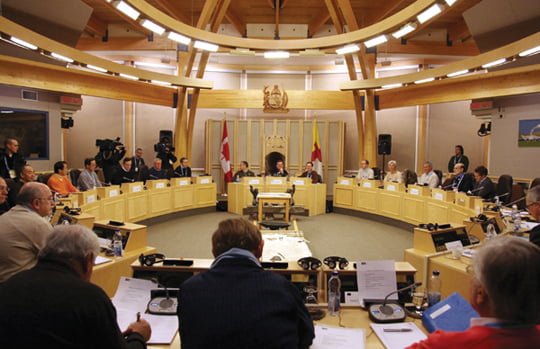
384,146
166,136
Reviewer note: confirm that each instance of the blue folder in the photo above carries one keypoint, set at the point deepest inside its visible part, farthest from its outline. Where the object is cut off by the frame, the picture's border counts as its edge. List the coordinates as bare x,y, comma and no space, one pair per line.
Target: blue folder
453,313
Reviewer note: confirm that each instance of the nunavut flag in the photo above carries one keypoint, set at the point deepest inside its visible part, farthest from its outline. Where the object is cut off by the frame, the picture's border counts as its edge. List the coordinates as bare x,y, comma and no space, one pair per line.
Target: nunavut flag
316,155
225,154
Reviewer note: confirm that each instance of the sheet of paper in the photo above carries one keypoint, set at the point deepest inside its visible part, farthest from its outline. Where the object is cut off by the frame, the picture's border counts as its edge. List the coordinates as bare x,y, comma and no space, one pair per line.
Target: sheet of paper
376,279
398,340
329,337
132,296
528,225
101,260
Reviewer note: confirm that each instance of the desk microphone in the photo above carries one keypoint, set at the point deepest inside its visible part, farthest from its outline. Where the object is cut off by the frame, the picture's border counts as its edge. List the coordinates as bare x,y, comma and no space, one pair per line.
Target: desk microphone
469,192
515,201
392,312
445,187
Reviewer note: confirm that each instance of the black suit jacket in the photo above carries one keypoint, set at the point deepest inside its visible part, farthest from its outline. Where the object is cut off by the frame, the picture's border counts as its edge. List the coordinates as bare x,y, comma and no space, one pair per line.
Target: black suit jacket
182,171
237,304
463,184
487,191
534,235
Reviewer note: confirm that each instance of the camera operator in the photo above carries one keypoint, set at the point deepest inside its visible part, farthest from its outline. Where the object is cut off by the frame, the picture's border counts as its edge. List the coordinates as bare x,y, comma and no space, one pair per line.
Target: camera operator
165,153
110,152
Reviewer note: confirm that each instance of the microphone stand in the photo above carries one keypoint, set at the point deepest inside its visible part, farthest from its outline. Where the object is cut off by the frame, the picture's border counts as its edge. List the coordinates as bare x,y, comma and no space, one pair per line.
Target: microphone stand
391,312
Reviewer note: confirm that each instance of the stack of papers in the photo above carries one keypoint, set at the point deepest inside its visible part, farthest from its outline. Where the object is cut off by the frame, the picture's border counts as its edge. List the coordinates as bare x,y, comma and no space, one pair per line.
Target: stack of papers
329,337
398,335
132,296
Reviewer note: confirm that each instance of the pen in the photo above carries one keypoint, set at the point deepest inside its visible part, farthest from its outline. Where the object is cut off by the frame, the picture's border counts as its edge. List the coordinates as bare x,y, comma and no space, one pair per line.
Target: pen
138,316
397,330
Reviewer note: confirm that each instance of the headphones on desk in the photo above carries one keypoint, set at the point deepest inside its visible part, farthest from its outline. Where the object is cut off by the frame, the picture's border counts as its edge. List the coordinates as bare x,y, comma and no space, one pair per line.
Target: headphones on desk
429,226
309,263
479,219
333,261
150,259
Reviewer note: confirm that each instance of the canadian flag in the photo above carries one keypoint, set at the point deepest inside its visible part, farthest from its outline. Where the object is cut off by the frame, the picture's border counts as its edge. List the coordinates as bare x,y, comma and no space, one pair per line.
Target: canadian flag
225,157
316,155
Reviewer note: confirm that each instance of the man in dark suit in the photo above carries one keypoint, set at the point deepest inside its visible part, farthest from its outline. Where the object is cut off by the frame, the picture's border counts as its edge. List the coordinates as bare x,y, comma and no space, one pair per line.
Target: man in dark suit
462,182
11,161
236,303
183,170
483,186
310,173
533,206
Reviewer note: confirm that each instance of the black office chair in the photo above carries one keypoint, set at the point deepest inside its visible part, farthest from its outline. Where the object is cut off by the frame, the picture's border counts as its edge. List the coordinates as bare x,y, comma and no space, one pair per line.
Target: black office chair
534,183
376,173
74,176
439,174
504,186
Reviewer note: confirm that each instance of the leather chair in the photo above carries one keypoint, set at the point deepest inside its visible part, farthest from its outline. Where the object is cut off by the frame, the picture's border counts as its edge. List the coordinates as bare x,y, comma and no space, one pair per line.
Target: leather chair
534,183
504,186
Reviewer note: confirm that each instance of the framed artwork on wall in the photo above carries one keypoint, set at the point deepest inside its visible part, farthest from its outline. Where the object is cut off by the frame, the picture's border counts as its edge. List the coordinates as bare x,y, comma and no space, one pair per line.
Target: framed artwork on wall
529,133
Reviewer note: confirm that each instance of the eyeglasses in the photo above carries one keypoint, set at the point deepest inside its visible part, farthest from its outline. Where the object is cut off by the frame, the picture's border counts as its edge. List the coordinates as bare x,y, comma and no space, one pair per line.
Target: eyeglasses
532,204
50,198
2,188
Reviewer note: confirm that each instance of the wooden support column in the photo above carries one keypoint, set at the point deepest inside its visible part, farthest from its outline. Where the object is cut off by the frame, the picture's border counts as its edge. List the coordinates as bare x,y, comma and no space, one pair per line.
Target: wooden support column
421,132
370,115
129,121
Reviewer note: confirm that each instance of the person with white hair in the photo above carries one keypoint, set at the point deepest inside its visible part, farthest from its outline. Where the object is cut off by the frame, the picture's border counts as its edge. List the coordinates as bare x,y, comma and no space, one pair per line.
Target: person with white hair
54,304
393,175
504,291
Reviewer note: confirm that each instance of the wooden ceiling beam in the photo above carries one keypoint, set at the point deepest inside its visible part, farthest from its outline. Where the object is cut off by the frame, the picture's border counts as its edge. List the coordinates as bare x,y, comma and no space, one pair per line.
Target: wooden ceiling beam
316,24
96,26
171,11
508,82
236,21
458,31
126,43
429,48
386,8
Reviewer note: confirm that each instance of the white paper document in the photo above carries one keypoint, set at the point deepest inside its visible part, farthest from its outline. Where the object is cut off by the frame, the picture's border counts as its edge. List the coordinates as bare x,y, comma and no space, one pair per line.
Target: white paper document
101,260
376,279
132,296
398,335
329,337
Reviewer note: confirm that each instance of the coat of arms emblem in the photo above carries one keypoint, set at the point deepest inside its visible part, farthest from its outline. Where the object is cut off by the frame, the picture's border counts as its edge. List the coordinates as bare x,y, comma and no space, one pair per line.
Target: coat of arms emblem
275,101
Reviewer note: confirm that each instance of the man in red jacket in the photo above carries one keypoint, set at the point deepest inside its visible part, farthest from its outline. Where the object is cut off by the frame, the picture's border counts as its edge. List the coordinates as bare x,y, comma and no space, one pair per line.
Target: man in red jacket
505,292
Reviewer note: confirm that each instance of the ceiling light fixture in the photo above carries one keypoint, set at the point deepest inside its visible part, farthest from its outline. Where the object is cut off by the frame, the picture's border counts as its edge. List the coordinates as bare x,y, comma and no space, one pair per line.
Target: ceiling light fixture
89,66
424,80
131,77
152,26
348,49
23,43
206,46
179,38
450,2
242,52
392,85
162,83
376,41
494,63
461,72
127,10
406,29
429,13
276,54
530,52
62,58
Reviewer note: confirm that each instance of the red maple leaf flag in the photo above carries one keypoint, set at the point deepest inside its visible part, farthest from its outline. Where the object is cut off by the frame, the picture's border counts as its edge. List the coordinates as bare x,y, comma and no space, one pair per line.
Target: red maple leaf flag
225,157
316,155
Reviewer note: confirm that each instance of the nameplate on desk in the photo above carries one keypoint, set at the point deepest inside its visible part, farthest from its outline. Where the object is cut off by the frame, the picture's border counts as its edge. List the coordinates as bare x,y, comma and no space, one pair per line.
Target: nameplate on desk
254,181
438,196
113,193
136,189
183,182
90,199
299,182
414,191
160,185
204,181
367,185
276,181
390,187
345,182
75,204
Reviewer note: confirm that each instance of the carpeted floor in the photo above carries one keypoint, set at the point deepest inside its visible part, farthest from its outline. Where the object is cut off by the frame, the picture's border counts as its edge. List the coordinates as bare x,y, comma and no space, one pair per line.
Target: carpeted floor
330,234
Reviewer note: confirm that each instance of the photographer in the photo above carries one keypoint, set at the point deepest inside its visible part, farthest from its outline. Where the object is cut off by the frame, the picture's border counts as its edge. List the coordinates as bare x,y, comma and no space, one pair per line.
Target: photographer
164,152
110,152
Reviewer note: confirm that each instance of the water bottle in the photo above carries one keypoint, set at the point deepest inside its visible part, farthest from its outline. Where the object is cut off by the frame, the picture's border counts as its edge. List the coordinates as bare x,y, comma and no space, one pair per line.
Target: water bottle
434,289
516,217
117,244
334,293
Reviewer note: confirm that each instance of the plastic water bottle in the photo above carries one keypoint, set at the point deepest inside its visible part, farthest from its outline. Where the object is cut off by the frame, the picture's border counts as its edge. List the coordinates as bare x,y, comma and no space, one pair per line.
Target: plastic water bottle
516,217
334,293
117,244
434,289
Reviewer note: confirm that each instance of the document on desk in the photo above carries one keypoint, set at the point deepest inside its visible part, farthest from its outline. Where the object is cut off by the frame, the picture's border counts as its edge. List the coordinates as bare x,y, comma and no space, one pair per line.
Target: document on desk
375,280
399,335
132,296
329,337
101,260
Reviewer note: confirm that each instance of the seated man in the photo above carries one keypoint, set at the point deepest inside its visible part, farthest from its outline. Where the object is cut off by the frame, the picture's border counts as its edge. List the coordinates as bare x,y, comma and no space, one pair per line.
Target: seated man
11,160
156,172
504,291
59,181
54,305
462,182
365,172
533,206
429,177
26,175
280,170
24,229
183,170
4,207
310,173
238,304
243,172
88,178
124,174
483,186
